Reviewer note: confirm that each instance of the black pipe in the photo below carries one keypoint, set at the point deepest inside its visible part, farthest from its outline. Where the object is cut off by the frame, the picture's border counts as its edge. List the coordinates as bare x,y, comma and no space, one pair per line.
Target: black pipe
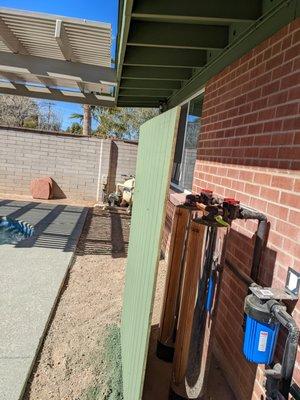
259,246
248,213
291,345
260,239
239,273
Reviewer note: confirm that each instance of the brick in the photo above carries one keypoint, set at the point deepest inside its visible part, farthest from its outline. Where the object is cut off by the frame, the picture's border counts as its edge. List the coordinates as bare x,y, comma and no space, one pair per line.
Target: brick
290,81
262,178
292,247
286,138
262,140
290,199
282,182
287,110
275,61
275,238
291,123
294,93
272,126
285,259
268,152
277,98
290,153
292,52
283,70
238,186
276,48
272,88
256,128
245,175
296,64
269,194
253,94
251,189
259,204
268,113
249,152
297,186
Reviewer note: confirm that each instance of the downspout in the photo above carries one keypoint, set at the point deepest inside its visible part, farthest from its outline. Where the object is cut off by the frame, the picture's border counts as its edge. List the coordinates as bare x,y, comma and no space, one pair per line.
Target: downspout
99,180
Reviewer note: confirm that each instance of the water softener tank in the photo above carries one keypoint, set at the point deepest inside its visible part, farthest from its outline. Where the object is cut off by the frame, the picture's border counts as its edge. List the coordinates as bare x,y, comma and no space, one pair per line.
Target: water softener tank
261,331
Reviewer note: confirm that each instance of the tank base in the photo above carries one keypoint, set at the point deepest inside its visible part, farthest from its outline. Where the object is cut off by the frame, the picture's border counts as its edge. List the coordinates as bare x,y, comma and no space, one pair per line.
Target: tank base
174,396
165,353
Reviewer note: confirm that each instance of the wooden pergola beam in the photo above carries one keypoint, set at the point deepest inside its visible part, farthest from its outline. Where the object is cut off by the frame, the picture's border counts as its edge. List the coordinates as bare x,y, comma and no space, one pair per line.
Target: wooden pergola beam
10,40
48,67
63,42
56,94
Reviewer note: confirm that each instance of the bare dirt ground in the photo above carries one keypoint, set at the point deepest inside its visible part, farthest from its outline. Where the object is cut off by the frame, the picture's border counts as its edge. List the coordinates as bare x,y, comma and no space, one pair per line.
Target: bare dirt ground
71,365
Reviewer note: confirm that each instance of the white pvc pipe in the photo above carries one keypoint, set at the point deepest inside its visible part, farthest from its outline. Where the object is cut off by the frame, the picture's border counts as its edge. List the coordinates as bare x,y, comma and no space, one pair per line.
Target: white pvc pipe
99,181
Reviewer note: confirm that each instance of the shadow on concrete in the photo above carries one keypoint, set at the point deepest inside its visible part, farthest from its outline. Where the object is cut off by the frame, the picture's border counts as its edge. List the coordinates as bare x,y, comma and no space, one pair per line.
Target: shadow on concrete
22,209
55,226
5,202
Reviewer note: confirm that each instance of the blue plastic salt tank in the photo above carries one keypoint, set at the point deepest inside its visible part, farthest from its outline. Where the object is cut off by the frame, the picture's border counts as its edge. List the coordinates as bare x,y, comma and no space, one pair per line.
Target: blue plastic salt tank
261,331
210,293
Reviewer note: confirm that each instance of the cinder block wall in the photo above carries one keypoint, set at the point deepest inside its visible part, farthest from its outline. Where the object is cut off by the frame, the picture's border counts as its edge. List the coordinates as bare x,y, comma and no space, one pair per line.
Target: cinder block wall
122,161
249,148
73,162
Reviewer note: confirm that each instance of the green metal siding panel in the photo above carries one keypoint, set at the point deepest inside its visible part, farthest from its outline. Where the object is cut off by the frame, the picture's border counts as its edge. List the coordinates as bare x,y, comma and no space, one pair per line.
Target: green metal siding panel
155,156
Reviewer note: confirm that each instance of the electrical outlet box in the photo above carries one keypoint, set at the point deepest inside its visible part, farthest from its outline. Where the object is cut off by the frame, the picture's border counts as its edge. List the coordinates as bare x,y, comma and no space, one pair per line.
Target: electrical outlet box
292,284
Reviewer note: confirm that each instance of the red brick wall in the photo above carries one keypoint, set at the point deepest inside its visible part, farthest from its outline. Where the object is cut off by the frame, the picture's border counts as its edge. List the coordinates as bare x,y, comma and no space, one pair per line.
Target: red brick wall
249,148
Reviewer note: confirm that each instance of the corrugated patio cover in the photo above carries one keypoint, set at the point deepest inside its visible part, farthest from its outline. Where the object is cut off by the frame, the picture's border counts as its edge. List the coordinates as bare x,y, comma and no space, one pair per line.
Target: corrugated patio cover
154,162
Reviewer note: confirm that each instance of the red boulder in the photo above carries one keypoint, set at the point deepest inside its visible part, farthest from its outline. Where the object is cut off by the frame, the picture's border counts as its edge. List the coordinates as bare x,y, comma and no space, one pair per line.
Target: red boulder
42,188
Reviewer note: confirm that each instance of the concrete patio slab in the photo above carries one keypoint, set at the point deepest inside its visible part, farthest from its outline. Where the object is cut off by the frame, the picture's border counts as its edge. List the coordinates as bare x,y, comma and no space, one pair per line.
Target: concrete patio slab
31,276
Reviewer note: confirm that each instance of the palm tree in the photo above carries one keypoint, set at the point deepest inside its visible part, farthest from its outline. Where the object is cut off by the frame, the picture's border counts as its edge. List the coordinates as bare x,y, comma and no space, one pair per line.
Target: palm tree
86,129
84,119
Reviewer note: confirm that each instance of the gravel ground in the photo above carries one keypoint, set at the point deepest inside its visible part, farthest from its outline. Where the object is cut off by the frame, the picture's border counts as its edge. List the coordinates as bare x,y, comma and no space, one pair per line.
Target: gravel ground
71,365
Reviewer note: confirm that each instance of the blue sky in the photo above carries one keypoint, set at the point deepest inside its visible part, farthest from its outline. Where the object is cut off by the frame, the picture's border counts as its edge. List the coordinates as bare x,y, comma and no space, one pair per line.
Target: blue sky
97,10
